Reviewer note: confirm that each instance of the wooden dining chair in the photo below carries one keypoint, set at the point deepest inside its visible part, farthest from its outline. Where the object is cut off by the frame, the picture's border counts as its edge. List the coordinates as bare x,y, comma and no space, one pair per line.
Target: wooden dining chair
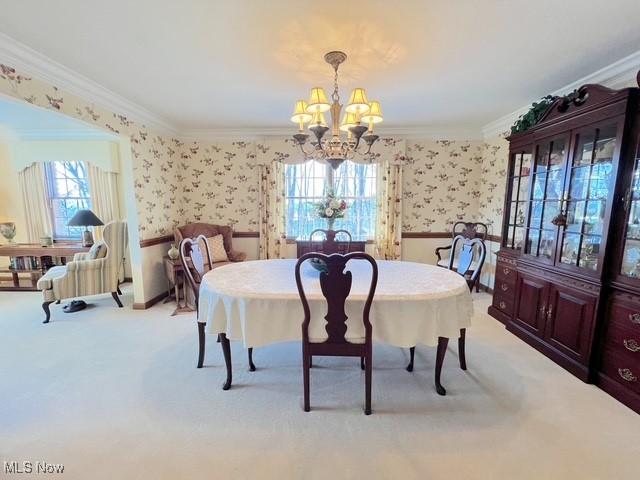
469,230
335,284
472,254
195,265
330,245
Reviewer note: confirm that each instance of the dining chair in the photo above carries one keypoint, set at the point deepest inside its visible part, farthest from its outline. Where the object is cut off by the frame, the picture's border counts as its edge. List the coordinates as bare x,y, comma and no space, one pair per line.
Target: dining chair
330,245
468,230
471,257
195,266
335,284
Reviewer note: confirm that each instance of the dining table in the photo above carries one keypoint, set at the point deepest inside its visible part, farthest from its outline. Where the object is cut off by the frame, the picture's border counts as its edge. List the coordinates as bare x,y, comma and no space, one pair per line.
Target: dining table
257,303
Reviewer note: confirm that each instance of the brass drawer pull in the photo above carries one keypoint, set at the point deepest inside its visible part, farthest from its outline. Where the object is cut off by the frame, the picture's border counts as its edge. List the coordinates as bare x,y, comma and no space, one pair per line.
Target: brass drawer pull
635,318
502,305
631,345
504,287
506,271
627,375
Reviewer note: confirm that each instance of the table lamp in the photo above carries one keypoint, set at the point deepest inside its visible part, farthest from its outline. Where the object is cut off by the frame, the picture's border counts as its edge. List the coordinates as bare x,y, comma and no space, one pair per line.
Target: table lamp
85,218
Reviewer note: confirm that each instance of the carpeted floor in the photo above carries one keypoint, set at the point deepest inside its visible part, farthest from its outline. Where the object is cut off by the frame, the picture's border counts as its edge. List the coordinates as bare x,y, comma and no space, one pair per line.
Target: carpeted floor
114,393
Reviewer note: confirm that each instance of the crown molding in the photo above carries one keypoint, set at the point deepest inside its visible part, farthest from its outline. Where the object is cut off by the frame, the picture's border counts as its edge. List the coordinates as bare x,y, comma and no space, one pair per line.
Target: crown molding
620,74
40,66
256,133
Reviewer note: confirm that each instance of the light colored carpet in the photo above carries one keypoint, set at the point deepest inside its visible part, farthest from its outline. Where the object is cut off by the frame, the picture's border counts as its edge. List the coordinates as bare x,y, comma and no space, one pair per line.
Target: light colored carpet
114,393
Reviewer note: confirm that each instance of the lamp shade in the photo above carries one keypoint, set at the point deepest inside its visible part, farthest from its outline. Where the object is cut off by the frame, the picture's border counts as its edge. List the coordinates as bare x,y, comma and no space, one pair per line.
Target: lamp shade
358,102
300,114
375,113
318,101
348,120
318,119
85,218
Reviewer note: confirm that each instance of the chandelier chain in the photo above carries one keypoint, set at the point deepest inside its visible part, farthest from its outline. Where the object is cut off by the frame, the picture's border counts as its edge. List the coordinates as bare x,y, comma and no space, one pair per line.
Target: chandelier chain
335,96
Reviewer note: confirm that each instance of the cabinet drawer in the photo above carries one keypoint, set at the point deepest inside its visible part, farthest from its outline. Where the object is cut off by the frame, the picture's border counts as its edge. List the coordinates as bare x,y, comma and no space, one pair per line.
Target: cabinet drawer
505,273
622,368
503,302
625,317
504,287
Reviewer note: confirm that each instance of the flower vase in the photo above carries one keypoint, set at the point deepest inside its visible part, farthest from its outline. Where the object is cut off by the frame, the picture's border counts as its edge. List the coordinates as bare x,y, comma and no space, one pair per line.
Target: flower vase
330,222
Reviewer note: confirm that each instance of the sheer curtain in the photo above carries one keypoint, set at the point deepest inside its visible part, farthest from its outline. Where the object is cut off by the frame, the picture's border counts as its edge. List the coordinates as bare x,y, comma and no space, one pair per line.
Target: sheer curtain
103,187
35,200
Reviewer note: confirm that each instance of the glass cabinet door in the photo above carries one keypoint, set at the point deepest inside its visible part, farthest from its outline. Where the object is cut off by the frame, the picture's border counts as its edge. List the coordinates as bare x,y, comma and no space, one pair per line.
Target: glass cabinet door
546,198
519,190
590,173
631,253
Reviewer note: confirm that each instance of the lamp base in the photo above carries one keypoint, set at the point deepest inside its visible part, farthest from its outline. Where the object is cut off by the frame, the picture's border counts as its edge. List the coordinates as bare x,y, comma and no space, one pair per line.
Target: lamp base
74,306
87,238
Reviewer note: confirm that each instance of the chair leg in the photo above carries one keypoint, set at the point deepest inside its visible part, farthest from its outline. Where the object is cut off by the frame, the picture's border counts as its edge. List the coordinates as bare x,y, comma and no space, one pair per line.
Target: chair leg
201,344
226,351
118,290
57,302
362,364
442,350
367,383
115,297
461,349
306,365
252,367
412,353
45,307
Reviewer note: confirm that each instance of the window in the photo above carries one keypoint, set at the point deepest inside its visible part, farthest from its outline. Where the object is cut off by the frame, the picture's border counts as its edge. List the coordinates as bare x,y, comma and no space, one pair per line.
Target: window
306,184
68,190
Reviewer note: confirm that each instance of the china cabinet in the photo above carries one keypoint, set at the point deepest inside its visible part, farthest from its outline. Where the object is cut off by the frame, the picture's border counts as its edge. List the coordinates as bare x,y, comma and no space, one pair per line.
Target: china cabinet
568,272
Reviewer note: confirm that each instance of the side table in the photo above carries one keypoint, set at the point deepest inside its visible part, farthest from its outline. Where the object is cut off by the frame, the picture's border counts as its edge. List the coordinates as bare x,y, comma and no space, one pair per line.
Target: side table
175,275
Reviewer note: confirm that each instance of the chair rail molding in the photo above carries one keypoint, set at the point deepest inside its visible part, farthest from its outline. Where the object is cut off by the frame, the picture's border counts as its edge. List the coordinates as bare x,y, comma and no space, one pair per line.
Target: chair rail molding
31,62
619,74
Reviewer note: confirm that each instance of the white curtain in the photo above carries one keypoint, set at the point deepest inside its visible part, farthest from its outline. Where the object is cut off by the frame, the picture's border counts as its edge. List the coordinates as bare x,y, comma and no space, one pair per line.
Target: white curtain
103,187
273,237
33,187
389,215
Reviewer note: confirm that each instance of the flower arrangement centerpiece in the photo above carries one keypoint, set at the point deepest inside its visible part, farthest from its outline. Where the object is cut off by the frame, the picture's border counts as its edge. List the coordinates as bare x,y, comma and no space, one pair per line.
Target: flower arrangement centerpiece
331,208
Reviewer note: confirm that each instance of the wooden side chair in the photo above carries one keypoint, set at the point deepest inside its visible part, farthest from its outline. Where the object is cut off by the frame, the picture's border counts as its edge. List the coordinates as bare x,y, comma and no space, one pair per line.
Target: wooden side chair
330,245
469,230
472,254
336,285
195,265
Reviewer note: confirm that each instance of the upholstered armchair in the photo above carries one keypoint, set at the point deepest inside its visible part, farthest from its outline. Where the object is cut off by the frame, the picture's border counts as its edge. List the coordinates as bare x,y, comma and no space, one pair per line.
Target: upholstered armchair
193,230
88,276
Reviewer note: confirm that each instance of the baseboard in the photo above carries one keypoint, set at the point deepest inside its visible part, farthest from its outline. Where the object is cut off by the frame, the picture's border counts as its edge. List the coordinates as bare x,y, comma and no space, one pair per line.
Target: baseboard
486,288
150,303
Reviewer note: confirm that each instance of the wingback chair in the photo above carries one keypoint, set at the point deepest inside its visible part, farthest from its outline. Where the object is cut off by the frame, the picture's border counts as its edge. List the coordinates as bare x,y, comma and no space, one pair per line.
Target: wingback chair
193,230
85,276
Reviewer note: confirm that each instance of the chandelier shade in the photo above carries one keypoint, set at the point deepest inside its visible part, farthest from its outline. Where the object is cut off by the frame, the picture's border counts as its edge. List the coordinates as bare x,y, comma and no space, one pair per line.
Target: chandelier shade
334,148
374,115
318,101
358,102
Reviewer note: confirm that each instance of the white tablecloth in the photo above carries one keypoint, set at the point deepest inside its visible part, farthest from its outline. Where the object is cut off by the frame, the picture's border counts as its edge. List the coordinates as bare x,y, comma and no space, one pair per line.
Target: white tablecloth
257,302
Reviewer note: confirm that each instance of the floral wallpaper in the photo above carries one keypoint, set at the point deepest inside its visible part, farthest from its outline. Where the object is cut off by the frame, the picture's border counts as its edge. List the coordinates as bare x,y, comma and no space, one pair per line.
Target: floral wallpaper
177,182
441,184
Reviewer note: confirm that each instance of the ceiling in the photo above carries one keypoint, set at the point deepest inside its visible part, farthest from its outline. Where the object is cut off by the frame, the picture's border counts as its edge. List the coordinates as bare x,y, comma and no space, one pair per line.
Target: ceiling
203,64
21,121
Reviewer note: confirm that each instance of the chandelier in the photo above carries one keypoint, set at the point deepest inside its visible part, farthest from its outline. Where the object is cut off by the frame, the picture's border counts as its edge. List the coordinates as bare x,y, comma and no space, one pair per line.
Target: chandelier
358,111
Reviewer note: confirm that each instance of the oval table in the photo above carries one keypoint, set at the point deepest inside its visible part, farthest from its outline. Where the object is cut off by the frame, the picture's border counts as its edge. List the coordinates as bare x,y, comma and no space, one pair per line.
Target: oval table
257,302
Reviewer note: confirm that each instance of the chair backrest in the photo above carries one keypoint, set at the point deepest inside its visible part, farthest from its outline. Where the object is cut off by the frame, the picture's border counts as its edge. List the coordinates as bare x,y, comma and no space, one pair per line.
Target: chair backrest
336,285
195,262
329,245
472,253
193,230
470,230
115,236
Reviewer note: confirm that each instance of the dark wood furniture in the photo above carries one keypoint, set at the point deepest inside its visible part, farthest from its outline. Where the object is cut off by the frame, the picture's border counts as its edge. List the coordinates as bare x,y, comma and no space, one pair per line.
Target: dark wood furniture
568,272
195,263
473,250
33,260
336,285
175,279
468,230
330,244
